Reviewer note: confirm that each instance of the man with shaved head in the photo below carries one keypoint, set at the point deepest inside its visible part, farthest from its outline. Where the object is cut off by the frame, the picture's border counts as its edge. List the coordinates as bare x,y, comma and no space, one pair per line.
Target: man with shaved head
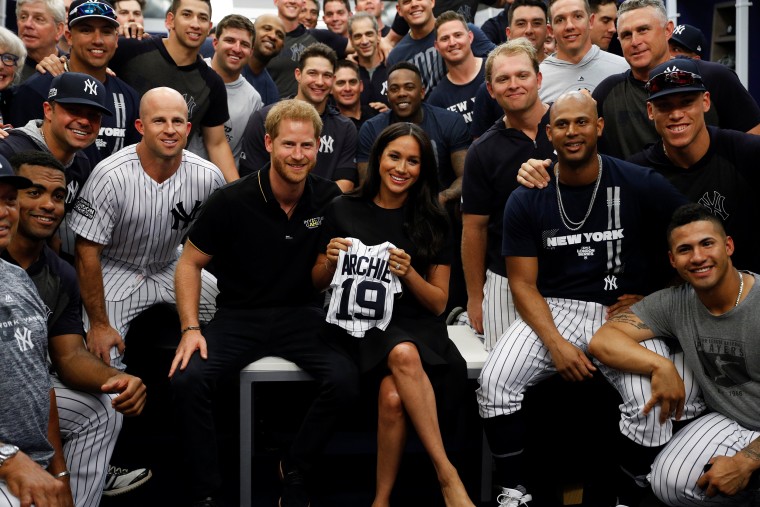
577,252
130,219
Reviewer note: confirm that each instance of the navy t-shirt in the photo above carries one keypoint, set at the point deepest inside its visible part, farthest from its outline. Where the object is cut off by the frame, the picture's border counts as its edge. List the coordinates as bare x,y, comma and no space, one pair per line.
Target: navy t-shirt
618,250
423,54
485,112
495,28
375,84
446,130
725,180
458,98
264,84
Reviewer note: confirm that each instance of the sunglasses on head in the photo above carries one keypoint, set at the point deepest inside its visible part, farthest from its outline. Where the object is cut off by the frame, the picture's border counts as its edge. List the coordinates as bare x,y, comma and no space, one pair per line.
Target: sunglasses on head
672,79
9,59
92,9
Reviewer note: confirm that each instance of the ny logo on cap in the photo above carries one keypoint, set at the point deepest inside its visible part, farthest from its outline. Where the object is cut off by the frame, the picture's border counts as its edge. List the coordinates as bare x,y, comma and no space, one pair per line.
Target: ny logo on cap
679,30
53,92
91,87
672,69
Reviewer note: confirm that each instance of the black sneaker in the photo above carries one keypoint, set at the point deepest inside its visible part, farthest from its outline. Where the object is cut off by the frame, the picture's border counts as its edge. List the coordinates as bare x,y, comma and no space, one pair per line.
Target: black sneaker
123,480
293,487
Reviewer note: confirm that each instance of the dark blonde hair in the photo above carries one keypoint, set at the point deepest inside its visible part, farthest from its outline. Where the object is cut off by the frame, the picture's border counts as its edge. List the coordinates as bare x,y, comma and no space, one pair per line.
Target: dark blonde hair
292,109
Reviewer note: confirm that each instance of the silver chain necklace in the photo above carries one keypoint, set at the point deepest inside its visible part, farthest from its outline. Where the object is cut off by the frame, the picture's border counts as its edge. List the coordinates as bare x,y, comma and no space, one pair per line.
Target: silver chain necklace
741,289
566,221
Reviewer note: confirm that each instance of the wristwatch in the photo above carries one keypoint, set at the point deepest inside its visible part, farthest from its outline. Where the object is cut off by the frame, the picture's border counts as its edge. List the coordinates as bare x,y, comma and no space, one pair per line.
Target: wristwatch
7,451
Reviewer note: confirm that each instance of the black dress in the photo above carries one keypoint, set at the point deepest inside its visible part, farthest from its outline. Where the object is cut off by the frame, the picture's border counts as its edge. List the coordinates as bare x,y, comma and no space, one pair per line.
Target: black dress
352,217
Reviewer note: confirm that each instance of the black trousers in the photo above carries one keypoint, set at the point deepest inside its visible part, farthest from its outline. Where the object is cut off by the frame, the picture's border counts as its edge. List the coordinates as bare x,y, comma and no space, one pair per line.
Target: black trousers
238,337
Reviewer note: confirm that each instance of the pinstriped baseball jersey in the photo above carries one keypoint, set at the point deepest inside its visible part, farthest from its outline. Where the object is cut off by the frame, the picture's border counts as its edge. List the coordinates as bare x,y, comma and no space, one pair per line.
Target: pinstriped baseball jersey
363,289
141,222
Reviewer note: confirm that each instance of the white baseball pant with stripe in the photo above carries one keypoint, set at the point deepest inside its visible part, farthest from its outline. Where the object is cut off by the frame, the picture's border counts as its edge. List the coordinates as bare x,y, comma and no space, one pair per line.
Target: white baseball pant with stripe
6,498
680,464
89,429
154,289
498,308
521,360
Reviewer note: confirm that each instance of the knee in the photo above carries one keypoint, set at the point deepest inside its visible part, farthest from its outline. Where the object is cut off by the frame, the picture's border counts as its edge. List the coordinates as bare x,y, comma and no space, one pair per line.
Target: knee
190,380
405,358
390,407
342,381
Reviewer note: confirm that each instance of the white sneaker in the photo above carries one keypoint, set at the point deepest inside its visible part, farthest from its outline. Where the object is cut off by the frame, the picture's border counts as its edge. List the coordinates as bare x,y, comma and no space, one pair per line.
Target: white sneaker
513,497
123,480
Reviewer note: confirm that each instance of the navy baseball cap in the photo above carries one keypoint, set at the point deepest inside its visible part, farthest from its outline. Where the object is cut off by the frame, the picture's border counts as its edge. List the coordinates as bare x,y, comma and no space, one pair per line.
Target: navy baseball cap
78,88
689,37
11,178
91,9
679,75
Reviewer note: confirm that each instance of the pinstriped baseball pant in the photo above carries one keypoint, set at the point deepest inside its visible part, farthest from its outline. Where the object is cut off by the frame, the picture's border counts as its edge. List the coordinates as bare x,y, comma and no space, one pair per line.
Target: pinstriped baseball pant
498,308
520,360
679,465
155,289
89,428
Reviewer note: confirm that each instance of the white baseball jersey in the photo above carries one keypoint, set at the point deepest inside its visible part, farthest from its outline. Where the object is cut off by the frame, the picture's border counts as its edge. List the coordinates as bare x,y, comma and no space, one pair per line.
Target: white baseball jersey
363,288
141,222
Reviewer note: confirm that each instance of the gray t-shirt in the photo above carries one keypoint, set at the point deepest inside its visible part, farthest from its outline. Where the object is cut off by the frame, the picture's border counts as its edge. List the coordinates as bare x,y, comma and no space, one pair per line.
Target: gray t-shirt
723,350
242,101
560,76
24,381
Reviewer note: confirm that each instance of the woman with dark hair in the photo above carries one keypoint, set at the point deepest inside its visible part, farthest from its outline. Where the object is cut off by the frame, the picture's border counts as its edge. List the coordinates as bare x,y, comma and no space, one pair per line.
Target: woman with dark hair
412,358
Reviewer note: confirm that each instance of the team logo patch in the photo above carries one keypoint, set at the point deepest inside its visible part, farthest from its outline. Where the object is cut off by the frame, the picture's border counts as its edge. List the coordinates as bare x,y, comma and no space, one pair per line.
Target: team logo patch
610,282
313,223
84,208
91,87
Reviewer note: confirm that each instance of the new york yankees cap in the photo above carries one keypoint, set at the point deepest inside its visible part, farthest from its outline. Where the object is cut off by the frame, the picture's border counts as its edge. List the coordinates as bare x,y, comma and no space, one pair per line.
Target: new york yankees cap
11,178
689,37
679,75
78,88
91,9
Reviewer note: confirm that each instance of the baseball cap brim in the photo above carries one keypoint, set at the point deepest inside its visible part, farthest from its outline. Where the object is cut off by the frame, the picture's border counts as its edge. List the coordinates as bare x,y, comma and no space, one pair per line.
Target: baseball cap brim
681,89
16,181
83,102
113,22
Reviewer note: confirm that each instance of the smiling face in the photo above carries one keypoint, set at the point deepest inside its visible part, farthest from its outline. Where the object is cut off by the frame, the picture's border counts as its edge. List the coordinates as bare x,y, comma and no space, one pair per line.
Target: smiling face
163,124
72,126
232,49
514,83
37,28
416,13
530,22
603,25
701,253
41,206
347,89
93,43
571,28
289,10
453,41
336,17
315,81
399,166
364,38
644,38
191,24
270,37
128,11
405,93
374,7
293,152
679,118
574,128
309,14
